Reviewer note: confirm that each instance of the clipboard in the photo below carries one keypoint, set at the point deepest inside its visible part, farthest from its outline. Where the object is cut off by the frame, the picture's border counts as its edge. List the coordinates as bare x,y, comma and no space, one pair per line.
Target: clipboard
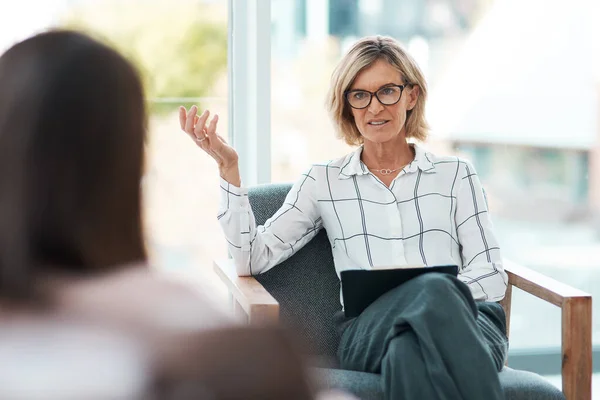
362,287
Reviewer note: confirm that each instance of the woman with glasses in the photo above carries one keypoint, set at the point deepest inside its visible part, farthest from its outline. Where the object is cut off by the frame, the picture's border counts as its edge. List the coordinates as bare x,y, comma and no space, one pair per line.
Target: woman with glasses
388,203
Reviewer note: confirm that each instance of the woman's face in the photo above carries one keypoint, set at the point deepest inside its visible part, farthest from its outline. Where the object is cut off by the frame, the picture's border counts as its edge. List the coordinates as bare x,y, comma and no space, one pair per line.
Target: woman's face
378,122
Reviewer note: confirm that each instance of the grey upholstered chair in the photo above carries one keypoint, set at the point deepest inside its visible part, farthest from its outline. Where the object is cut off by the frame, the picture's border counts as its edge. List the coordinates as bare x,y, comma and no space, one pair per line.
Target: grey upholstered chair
304,293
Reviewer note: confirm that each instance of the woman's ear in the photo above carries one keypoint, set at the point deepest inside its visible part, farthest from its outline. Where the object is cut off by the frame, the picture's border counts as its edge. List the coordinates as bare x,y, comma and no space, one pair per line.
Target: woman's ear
413,96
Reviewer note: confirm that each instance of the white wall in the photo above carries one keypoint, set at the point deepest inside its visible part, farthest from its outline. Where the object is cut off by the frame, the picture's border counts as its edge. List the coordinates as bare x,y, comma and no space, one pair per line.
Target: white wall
526,75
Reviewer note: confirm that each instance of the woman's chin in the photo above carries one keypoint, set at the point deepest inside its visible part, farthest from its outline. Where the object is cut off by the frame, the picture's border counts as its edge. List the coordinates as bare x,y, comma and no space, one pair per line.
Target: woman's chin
380,137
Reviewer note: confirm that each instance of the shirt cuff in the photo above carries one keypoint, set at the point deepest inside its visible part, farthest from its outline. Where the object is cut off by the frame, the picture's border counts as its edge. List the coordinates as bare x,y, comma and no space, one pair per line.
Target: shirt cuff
233,198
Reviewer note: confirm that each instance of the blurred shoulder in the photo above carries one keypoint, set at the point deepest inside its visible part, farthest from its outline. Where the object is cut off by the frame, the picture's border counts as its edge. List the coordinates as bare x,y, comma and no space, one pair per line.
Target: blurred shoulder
145,298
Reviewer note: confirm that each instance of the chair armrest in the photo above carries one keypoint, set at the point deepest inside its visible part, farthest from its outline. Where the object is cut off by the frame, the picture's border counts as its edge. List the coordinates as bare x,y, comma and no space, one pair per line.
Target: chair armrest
576,306
541,286
248,294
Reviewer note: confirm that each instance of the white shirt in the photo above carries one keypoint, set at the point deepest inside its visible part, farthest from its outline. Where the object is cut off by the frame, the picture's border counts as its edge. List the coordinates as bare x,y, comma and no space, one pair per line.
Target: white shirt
433,213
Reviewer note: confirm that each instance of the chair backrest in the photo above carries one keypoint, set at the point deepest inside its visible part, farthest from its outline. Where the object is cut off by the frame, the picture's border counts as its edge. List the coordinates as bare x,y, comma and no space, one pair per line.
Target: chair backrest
306,285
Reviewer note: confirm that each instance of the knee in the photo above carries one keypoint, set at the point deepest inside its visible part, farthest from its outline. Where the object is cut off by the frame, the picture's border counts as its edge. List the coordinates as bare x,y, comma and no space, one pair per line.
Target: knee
403,346
403,356
394,348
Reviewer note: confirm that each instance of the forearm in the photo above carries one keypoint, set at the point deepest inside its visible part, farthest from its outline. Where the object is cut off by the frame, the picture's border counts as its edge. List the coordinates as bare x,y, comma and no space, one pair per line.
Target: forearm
237,245
239,226
257,249
253,249
482,266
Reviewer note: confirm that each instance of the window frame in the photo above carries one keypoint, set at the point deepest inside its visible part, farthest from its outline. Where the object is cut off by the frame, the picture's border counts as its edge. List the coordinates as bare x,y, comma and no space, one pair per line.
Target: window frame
249,78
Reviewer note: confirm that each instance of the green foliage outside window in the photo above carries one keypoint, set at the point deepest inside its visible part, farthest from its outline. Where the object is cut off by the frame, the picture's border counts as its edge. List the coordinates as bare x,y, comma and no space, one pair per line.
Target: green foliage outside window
179,48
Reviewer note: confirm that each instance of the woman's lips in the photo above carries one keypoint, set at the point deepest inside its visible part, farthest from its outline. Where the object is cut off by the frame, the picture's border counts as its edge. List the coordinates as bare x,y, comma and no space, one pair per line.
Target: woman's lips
378,124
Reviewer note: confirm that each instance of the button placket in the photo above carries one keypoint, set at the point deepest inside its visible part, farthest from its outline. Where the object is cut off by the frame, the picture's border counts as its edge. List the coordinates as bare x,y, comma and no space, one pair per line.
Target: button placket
398,249
398,257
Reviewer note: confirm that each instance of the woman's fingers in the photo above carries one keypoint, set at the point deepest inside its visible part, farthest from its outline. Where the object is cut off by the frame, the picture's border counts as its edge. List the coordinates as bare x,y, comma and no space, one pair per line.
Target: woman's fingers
201,141
204,136
184,121
212,128
182,117
200,126
189,123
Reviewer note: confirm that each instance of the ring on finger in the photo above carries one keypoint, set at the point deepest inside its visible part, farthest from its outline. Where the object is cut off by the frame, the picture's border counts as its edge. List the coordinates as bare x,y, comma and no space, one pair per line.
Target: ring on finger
200,139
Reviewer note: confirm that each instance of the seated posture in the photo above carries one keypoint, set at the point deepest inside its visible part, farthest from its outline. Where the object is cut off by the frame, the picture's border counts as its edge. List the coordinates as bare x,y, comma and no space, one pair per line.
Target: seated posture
388,203
73,264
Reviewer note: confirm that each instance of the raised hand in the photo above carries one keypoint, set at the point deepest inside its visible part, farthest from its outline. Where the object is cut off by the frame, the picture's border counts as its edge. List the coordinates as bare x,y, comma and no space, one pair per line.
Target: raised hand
213,144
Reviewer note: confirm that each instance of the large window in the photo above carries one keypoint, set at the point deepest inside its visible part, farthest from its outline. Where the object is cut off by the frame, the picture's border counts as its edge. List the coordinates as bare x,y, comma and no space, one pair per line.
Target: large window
513,87
183,58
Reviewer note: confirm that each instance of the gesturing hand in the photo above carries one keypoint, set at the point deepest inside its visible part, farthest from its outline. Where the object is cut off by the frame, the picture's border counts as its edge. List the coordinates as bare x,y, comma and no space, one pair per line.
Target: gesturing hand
206,137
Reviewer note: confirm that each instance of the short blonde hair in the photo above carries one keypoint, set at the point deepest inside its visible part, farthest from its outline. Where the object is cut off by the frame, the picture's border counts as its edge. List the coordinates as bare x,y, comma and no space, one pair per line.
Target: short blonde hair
364,53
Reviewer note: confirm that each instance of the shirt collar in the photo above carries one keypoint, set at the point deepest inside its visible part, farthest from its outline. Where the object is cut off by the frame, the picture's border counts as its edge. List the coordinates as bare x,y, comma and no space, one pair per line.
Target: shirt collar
352,165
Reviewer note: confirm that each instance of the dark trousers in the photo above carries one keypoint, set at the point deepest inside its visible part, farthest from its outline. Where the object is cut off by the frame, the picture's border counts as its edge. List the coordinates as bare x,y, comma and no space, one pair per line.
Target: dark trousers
429,340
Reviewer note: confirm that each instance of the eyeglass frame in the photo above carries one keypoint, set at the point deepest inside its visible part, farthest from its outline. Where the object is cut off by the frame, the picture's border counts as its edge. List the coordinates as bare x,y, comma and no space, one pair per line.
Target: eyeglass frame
371,94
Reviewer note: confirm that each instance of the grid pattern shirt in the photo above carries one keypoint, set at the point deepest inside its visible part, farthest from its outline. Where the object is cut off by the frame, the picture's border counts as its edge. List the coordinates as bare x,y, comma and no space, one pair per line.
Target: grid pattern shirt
433,213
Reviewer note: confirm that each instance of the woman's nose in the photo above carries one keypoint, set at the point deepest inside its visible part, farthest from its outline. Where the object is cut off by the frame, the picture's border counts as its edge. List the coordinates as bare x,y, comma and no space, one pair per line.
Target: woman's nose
375,107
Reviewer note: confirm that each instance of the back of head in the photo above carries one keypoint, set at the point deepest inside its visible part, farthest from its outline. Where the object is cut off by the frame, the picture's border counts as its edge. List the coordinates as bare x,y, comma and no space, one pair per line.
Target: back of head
72,128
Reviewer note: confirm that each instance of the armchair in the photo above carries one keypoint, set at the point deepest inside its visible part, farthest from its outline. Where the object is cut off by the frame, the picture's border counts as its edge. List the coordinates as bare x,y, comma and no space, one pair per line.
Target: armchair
303,294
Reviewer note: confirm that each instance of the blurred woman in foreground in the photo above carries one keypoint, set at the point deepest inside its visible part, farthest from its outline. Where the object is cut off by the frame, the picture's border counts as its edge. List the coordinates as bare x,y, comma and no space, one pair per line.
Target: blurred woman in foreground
73,266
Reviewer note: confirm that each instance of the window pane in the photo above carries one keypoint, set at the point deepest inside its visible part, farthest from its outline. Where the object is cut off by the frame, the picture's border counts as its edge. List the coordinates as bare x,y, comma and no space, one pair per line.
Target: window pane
522,104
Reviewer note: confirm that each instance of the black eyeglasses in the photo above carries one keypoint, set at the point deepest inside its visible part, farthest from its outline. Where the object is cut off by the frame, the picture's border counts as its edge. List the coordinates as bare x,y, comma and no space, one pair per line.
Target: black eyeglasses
387,95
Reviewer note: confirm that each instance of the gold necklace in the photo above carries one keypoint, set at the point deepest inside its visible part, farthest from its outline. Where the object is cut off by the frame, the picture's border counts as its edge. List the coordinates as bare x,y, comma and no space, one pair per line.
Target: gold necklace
387,171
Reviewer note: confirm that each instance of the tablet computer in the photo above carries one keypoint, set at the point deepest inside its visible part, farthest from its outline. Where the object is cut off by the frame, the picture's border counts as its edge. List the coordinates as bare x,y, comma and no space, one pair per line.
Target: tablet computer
361,287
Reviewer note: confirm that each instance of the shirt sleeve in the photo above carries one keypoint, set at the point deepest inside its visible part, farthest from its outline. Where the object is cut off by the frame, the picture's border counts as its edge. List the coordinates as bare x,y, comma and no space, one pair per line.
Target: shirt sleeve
482,266
258,249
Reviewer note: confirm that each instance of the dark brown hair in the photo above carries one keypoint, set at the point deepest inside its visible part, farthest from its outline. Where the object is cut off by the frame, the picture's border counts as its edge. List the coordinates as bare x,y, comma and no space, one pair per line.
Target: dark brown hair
72,129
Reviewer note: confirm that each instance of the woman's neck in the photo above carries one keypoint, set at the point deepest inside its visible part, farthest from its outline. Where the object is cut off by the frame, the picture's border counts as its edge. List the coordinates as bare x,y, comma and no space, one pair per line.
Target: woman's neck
389,155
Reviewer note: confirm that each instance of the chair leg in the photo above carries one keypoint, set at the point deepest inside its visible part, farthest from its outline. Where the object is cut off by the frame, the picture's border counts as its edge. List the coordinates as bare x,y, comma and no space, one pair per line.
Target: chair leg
577,348
506,303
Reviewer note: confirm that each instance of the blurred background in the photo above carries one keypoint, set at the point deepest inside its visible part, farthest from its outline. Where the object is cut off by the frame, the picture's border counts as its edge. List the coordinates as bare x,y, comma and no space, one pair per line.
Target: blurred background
514,86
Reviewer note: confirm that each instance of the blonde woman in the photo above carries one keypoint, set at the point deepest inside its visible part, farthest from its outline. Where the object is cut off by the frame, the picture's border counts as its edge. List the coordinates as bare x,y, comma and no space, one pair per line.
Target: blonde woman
390,202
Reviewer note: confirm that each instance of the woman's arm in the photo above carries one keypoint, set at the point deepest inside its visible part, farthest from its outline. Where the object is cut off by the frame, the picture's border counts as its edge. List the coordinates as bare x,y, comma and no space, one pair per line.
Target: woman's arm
254,250
482,263
257,249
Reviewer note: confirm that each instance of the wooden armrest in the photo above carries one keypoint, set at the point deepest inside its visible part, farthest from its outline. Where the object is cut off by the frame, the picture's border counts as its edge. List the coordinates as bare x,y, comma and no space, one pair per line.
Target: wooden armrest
541,286
248,294
576,306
